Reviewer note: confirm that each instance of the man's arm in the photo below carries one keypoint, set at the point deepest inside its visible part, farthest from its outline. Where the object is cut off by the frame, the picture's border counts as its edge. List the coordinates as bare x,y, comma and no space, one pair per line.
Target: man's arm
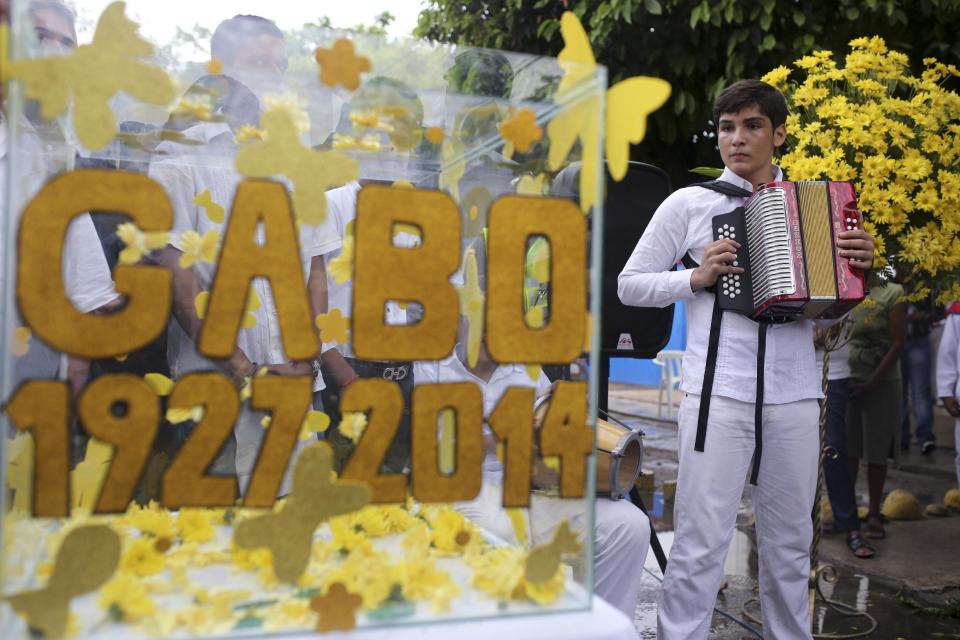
898,332
186,287
647,279
947,372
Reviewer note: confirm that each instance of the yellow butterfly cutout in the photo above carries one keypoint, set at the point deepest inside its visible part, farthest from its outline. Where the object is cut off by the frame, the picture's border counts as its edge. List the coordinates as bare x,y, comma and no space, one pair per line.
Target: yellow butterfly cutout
312,172
629,102
471,305
288,531
214,211
93,74
86,559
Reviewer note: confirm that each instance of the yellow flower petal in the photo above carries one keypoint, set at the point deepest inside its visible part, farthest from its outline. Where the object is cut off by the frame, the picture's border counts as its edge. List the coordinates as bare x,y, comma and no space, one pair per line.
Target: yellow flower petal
160,383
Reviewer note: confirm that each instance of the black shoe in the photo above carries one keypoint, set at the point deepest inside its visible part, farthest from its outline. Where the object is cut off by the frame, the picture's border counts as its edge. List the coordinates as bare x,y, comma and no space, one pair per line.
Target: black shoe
928,447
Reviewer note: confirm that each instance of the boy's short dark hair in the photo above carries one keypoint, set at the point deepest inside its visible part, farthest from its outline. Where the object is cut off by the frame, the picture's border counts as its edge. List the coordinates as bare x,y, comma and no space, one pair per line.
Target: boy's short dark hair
230,33
746,93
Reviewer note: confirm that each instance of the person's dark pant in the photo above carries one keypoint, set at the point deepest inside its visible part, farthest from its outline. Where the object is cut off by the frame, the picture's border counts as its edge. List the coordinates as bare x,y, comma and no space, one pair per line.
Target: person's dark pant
836,468
915,368
398,456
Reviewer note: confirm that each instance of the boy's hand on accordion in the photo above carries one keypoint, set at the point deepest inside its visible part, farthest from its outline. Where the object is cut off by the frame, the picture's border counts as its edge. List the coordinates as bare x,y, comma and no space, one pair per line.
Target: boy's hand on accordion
717,260
857,245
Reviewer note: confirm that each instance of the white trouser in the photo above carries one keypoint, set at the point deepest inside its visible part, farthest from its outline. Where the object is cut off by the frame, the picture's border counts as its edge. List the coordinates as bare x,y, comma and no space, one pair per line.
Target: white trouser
709,488
621,538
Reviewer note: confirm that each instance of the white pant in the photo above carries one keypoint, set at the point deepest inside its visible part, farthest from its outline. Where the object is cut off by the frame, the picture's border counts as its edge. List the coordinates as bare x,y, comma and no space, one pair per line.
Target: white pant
956,445
709,488
621,536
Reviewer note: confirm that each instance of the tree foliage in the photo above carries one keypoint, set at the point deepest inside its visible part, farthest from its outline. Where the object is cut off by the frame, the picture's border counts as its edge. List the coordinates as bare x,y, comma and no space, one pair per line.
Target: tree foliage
699,46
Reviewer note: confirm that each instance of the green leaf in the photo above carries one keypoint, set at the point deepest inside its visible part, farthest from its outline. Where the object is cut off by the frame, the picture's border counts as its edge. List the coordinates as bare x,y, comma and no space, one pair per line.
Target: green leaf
653,7
768,5
695,17
799,18
853,13
765,21
710,172
769,42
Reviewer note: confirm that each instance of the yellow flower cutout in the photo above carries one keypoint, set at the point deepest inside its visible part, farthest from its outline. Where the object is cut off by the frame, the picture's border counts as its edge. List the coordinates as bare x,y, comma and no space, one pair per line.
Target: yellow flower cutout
333,326
341,267
92,74
312,172
215,67
341,65
352,425
629,102
197,248
213,210
521,130
315,422
434,135
21,341
139,243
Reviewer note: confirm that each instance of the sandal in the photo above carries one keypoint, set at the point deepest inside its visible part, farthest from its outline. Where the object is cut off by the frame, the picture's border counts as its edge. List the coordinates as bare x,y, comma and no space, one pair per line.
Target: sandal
860,547
874,529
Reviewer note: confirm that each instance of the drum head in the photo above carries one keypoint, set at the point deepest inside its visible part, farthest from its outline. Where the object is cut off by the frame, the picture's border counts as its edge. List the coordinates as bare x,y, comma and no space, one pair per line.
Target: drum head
628,469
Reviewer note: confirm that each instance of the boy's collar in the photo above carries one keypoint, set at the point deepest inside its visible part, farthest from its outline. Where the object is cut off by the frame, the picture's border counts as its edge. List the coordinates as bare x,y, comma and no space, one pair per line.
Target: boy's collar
733,178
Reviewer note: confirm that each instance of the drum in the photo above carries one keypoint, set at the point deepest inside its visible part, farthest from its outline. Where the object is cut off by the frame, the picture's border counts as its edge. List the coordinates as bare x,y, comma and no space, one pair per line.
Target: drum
619,452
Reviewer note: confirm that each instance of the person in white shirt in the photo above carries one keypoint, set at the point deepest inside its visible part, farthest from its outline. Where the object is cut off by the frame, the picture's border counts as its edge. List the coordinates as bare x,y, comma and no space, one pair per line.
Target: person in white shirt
948,373
750,117
252,48
41,155
384,166
621,531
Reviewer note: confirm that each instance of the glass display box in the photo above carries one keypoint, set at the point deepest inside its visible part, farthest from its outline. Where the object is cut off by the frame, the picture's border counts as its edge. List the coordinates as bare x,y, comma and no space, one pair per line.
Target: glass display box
296,326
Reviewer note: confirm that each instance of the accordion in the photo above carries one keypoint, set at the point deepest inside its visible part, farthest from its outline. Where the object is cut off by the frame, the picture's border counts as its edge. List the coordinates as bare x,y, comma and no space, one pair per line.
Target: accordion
792,266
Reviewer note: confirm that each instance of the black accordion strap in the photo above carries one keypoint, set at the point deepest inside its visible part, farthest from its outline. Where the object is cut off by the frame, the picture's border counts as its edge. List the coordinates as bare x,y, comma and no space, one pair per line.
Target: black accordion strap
708,370
726,188
758,405
720,186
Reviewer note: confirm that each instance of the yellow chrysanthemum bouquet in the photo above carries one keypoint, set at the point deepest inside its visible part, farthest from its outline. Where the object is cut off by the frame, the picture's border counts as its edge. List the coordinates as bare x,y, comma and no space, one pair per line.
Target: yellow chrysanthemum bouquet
896,136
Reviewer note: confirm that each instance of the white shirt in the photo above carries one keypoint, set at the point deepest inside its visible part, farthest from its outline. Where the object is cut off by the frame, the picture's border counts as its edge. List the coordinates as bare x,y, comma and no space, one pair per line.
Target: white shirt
682,223
341,209
503,377
86,274
184,174
948,358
